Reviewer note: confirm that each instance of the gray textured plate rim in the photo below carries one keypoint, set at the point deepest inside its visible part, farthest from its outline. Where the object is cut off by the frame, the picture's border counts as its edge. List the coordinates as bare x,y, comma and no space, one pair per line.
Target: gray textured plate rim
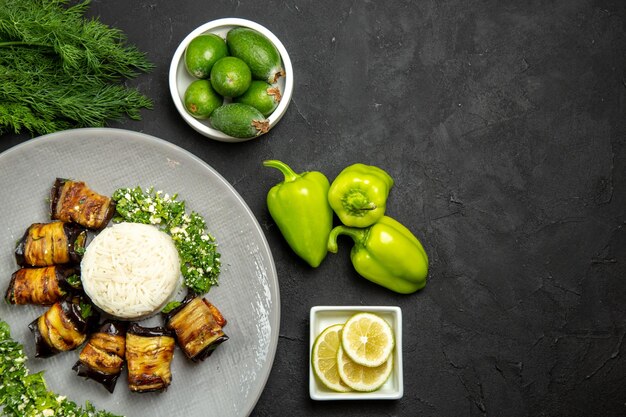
256,378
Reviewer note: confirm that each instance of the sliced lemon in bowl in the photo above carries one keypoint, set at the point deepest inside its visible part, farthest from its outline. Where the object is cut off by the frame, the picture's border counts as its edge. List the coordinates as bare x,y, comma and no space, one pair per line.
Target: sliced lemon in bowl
367,339
363,378
324,358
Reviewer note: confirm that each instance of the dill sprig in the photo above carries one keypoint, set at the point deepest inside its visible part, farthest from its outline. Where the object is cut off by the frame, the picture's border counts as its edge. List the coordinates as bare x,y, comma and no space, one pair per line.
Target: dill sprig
60,70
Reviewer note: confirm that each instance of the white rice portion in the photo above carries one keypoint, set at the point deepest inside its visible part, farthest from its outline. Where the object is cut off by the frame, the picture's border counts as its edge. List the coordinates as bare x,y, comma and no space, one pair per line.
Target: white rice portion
131,270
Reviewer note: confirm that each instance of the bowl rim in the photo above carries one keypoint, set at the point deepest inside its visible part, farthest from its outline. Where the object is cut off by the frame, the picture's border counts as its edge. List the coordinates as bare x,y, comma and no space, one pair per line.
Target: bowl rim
396,312
196,124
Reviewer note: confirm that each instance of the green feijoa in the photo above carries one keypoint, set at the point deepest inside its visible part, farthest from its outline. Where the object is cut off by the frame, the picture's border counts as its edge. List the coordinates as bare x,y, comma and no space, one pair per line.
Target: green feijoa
256,50
230,76
262,96
201,99
202,52
239,120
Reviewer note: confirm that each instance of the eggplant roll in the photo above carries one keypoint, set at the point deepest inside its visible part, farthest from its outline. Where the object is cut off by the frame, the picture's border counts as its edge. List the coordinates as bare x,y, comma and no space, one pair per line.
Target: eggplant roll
198,327
102,358
42,286
63,327
54,243
149,353
74,201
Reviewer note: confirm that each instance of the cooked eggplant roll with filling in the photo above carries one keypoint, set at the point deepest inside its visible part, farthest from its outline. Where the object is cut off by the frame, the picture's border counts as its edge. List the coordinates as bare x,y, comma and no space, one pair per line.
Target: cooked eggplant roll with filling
42,286
102,357
149,353
63,327
198,327
74,201
54,243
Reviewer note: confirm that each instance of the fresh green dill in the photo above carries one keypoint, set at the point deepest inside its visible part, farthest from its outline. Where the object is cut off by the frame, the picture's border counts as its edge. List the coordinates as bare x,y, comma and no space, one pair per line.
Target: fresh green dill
170,306
197,249
60,70
25,395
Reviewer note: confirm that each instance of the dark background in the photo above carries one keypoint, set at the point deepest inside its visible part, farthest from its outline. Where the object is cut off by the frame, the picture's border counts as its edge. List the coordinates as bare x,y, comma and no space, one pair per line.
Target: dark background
503,125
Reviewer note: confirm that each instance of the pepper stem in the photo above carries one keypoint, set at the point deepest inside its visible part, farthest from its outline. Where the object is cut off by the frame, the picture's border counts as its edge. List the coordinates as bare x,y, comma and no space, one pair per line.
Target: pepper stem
356,202
289,174
358,235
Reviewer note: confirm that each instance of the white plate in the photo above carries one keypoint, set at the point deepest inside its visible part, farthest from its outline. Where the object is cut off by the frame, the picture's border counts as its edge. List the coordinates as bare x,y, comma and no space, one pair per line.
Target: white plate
325,316
229,382
179,78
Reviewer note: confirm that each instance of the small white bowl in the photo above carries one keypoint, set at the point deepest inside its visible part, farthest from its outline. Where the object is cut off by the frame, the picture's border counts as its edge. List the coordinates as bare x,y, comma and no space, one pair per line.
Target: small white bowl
324,316
179,78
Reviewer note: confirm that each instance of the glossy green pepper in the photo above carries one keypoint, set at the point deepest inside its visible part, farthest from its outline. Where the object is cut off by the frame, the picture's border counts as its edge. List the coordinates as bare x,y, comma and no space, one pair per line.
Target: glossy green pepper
386,253
359,194
299,206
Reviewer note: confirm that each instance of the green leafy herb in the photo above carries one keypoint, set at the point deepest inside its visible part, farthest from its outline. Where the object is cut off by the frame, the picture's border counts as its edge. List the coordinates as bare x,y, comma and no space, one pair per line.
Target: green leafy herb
25,395
74,281
79,248
170,306
197,249
85,310
60,70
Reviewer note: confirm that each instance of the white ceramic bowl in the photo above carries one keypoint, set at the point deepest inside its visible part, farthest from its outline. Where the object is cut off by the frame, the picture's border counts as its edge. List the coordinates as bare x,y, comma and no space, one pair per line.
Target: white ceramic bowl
324,316
179,78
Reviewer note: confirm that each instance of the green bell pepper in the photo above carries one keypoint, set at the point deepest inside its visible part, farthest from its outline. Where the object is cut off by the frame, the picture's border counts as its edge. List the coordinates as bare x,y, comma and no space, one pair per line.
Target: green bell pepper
386,253
359,194
299,206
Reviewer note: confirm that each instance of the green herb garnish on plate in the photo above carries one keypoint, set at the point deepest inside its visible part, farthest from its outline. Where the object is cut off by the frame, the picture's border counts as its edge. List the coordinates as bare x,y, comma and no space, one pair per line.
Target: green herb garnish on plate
171,306
74,281
197,248
23,394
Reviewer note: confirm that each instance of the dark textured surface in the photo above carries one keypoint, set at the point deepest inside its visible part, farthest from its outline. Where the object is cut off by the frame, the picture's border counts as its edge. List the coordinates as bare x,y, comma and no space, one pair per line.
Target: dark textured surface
503,124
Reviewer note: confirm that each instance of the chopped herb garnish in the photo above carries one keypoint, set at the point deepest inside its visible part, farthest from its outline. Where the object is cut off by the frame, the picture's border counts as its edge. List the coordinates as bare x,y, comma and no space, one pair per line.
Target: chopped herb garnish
74,281
79,248
197,248
85,310
25,395
170,306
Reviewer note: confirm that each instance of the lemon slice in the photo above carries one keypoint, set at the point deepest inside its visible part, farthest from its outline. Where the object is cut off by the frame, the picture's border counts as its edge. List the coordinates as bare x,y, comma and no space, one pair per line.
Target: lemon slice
367,339
324,358
363,378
